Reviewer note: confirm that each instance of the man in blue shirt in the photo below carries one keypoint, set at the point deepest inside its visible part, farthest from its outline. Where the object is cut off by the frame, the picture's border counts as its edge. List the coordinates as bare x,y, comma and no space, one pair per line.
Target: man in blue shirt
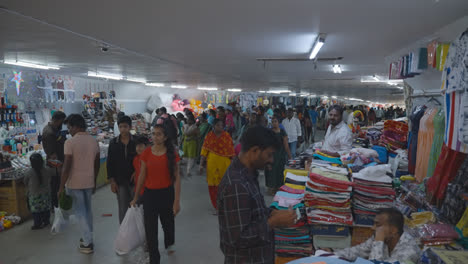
313,117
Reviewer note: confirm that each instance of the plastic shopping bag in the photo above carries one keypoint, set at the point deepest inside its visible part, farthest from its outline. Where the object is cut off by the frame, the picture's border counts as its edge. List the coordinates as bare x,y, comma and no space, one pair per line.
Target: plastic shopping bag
131,232
59,221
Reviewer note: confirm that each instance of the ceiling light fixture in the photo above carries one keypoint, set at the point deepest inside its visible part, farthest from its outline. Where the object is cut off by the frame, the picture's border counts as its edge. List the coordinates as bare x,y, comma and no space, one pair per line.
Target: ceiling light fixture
235,90
337,69
304,95
177,86
155,84
262,91
375,78
292,94
105,76
31,65
356,99
136,80
208,88
279,91
319,41
326,97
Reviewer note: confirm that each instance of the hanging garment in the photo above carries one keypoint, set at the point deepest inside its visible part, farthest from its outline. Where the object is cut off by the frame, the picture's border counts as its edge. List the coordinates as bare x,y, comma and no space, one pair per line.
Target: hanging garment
439,129
454,128
446,169
415,118
425,139
454,205
60,86
431,54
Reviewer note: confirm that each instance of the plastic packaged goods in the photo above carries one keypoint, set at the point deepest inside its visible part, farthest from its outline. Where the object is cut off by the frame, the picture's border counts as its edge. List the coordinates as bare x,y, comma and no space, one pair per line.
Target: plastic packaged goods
438,234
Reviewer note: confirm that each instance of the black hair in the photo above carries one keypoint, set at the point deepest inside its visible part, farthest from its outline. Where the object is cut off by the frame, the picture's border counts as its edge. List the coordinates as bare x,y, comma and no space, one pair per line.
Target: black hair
75,120
58,115
141,140
204,116
37,163
163,110
125,119
120,114
337,108
212,112
180,115
158,110
221,109
259,136
170,152
216,122
191,117
394,218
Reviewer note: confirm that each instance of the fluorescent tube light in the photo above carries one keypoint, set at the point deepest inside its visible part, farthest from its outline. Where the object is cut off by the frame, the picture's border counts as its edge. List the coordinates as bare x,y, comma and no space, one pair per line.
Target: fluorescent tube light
155,84
105,76
334,97
317,46
262,91
234,90
177,86
375,78
326,97
208,88
356,99
292,94
31,65
279,91
136,80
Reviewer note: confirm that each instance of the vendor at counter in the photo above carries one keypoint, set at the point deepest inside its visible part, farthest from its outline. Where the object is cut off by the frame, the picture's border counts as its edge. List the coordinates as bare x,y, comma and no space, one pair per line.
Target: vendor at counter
339,137
389,243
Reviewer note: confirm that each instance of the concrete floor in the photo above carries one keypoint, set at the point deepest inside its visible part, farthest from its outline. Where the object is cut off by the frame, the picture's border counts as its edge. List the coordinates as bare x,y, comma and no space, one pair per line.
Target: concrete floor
197,235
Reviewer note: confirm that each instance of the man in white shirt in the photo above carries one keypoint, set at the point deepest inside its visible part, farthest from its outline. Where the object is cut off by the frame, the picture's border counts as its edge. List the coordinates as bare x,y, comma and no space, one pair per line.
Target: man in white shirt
292,126
339,137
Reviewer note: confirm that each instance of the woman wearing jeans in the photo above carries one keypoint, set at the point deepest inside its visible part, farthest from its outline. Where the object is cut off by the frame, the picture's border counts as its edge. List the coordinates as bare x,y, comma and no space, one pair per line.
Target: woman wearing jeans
159,174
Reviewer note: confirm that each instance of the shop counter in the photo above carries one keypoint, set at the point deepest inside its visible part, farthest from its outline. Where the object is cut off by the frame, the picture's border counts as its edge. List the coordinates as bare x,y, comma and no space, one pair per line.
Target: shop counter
13,198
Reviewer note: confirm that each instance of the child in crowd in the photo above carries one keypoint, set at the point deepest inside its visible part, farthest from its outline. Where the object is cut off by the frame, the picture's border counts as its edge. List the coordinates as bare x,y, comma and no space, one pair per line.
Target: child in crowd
37,181
141,144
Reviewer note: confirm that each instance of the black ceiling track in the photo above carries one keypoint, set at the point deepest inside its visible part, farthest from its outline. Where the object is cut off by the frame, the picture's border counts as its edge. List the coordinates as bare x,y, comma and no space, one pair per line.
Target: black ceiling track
299,59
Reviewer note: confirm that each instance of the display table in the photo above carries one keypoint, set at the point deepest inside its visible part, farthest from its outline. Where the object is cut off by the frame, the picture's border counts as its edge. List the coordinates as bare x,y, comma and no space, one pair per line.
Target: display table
13,198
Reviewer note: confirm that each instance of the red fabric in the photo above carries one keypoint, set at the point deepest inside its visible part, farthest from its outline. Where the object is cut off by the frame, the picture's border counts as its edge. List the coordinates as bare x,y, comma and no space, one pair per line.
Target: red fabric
446,169
238,148
157,171
137,167
221,146
213,195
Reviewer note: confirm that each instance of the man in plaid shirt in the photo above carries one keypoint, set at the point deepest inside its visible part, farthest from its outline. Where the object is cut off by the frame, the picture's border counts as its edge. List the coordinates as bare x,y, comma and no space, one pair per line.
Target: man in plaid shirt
245,222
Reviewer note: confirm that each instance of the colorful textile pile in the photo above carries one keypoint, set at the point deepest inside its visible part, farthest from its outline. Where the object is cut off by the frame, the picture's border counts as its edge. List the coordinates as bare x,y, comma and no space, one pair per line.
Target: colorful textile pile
372,191
374,134
328,195
394,135
296,240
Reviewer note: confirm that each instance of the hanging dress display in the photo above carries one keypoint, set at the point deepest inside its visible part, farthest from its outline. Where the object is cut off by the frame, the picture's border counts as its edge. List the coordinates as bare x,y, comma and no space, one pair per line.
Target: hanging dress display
416,116
425,139
455,85
436,148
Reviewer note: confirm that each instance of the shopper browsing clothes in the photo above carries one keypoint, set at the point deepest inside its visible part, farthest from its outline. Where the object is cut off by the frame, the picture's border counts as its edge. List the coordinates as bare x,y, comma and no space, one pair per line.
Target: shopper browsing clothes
79,175
292,125
191,134
245,223
159,175
216,154
389,243
37,181
53,143
119,165
338,137
274,177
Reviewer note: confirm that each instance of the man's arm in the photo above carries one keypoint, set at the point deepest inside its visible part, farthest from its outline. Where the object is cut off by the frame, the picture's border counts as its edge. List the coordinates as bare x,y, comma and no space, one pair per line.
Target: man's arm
241,231
49,144
362,250
65,172
97,166
298,128
110,168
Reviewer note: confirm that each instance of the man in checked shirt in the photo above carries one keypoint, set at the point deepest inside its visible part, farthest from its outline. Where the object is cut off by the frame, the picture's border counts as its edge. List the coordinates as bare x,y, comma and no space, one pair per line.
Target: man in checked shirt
245,223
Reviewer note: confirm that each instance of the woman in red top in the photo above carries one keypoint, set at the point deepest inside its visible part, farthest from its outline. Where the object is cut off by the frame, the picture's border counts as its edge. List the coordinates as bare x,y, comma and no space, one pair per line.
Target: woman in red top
159,174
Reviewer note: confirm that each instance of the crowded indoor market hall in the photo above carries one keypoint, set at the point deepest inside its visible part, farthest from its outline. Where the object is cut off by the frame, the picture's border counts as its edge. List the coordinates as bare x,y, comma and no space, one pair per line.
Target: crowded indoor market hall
267,131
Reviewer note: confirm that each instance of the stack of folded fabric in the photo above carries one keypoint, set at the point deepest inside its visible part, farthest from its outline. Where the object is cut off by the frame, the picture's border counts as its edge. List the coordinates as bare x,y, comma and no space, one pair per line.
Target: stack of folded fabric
326,158
328,195
296,240
372,191
395,135
374,134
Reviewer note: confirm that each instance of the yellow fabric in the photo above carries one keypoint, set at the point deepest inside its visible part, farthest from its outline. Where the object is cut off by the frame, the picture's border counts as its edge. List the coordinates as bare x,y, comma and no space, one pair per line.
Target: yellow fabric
295,186
443,55
216,166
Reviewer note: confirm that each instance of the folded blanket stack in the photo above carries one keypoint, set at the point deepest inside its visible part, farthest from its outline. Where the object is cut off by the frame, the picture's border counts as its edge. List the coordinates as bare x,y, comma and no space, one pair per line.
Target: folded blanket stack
296,240
395,135
372,190
328,195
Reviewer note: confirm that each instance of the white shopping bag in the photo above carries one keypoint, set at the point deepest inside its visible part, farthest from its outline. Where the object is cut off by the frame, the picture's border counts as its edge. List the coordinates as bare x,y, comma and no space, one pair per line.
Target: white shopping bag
59,221
131,232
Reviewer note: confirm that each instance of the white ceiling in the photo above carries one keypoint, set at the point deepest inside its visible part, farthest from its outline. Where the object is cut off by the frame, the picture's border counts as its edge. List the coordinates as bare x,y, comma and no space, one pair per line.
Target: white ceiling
216,43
